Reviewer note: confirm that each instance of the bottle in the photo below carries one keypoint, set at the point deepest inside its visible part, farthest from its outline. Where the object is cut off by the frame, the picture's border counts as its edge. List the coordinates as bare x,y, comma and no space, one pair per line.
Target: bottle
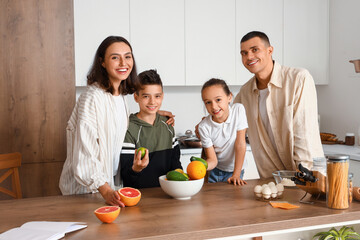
337,181
350,139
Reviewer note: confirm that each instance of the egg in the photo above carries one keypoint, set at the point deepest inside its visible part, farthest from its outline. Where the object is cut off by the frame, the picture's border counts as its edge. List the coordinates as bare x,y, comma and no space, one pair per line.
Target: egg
264,186
257,189
266,192
274,191
280,187
270,184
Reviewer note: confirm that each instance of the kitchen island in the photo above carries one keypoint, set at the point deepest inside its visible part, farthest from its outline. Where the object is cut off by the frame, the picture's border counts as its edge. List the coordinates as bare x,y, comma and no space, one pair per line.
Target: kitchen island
218,210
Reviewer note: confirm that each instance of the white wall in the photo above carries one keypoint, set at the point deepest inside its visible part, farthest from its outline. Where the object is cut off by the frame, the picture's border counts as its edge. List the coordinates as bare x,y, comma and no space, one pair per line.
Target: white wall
339,101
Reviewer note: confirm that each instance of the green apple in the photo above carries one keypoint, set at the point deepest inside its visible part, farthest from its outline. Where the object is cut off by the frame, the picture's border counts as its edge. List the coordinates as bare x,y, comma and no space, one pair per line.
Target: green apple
142,150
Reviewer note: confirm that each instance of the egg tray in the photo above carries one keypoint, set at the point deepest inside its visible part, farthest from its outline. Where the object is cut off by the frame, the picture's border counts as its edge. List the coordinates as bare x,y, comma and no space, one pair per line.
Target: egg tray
263,198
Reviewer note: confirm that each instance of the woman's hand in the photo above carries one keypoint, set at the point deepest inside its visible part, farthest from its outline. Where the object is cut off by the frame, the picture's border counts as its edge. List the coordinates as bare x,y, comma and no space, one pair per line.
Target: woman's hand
138,163
171,120
111,196
236,180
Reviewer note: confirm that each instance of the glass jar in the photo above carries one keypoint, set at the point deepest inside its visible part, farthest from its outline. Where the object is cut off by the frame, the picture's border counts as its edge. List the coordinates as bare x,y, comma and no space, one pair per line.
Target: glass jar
337,181
350,139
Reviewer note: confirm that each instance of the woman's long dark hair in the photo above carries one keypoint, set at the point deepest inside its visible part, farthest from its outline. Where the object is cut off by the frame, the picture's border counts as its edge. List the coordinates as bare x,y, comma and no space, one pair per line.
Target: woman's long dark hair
98,73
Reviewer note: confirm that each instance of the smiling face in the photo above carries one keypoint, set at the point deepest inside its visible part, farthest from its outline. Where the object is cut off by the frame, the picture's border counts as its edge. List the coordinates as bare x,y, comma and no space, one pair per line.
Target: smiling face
257,57
118,62
149,99
216,102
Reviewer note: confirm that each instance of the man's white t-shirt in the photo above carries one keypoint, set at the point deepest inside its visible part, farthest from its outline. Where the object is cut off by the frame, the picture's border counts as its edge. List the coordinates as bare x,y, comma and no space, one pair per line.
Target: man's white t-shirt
263,94
223,135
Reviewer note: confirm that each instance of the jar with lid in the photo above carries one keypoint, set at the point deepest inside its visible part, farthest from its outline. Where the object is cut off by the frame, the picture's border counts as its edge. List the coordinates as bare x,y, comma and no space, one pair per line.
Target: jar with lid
337,181
350,139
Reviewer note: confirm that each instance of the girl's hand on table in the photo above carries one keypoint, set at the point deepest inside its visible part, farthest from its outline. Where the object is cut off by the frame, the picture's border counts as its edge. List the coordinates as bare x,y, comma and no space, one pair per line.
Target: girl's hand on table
111,196
236,180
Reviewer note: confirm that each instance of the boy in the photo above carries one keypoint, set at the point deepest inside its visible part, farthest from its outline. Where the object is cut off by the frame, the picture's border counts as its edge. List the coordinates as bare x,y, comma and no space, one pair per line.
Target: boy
148,129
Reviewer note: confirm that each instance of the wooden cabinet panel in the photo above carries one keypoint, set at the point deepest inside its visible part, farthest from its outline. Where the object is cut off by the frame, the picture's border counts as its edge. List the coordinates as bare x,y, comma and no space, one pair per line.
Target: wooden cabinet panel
157,37
210,40
37,86
258,15
306,37
94,21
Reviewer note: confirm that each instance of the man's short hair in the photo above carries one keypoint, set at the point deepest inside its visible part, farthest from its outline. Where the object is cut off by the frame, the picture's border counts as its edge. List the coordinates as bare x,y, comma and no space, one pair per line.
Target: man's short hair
148,77
253,34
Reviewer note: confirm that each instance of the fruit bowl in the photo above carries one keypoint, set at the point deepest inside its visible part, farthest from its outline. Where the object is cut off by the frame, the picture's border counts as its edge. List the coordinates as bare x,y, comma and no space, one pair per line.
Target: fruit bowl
181,190
284,177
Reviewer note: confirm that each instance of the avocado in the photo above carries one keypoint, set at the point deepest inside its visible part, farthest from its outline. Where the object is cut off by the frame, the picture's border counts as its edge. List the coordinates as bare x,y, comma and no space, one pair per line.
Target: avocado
176,176
200,160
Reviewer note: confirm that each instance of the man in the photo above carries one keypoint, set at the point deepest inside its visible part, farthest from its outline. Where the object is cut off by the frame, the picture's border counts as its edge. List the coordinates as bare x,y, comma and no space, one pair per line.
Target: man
281,108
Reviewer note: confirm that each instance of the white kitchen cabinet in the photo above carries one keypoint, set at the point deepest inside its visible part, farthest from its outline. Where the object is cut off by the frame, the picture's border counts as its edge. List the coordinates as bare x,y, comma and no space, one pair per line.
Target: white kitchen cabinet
258,15
157,38
251,171
354,167
210,41
186,154
306,37
94,21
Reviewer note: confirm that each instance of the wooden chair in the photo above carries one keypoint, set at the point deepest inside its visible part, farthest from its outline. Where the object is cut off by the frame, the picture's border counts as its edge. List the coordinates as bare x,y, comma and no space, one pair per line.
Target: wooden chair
11,161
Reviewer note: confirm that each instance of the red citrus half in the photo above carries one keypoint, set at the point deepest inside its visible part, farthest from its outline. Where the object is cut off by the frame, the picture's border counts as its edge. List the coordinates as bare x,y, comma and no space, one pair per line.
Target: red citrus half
107,214
129,196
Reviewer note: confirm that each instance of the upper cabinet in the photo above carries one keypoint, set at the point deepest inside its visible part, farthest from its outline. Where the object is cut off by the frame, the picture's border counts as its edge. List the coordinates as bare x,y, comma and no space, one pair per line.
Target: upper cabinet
157,38
306,37
94,21
209,40
191,41
258,15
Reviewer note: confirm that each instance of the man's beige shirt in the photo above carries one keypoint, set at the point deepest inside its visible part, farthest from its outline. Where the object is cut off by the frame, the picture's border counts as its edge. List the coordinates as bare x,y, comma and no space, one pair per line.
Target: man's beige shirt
292,110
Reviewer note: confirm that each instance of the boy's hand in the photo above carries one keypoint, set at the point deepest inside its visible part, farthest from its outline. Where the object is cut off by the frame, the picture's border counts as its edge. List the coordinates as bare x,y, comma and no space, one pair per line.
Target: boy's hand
236,180
171,120
140,163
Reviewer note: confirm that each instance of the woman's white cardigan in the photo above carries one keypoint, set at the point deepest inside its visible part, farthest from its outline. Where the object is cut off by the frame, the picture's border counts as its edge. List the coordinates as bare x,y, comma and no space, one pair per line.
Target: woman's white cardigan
91,132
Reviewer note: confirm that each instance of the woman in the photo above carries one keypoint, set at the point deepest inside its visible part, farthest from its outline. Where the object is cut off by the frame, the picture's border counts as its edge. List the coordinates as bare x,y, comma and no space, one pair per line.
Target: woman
98,124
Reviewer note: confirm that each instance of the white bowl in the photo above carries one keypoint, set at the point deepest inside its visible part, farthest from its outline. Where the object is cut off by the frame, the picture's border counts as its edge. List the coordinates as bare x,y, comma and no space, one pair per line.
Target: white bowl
181,189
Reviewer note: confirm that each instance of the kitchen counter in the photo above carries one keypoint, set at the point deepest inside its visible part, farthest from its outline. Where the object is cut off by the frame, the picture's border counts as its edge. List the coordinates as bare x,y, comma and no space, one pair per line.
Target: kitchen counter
352,151
218,210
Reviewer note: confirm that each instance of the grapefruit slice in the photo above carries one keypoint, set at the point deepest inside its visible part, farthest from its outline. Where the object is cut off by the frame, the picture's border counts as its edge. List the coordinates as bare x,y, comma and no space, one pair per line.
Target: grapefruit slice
129,196
107,214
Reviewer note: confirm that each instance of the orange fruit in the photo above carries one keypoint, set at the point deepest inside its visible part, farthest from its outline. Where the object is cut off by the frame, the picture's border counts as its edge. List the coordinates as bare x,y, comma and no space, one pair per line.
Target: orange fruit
196,170
107,214
129,196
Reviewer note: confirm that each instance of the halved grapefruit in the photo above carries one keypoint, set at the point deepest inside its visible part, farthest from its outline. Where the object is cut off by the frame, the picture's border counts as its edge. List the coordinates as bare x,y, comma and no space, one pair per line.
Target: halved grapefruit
129,196
107,214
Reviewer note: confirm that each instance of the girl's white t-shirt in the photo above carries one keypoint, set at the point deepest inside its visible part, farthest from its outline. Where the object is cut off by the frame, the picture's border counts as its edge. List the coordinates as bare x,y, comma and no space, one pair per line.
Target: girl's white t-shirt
120,117
223,135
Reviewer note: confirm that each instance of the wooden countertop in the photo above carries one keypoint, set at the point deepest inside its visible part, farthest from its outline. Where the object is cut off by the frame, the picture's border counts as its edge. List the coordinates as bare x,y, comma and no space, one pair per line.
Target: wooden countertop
218,210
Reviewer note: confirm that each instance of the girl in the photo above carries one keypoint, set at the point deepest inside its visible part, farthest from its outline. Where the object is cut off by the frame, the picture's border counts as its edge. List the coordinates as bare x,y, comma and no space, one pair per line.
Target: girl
222,133
97,126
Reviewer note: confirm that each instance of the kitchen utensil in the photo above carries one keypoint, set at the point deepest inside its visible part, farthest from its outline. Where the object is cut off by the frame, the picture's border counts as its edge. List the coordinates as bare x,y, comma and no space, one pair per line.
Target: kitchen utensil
356,65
